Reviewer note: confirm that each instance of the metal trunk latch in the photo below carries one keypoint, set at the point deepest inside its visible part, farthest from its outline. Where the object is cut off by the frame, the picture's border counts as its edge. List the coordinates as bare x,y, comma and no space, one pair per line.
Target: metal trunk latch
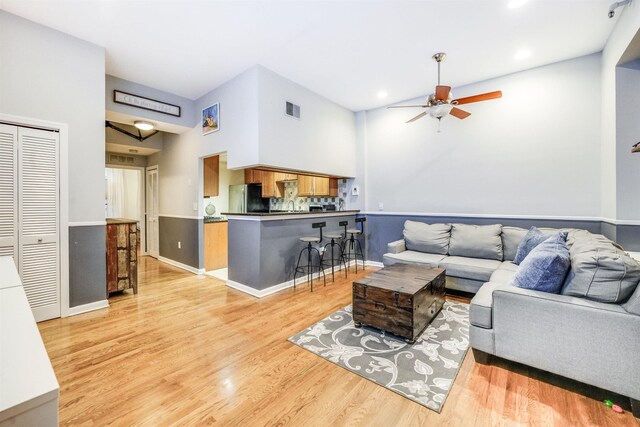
397,296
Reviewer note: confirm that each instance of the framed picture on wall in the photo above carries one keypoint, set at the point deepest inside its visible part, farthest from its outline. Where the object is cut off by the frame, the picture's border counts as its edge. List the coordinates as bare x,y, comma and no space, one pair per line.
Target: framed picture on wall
211,119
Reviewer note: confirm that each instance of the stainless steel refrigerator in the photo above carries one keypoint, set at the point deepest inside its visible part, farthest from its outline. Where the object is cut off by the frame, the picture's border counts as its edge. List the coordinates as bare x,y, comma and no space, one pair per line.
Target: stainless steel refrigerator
245,198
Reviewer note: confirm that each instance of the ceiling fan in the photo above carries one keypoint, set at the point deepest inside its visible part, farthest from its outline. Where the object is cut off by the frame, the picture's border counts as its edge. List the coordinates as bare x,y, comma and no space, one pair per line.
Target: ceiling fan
441,103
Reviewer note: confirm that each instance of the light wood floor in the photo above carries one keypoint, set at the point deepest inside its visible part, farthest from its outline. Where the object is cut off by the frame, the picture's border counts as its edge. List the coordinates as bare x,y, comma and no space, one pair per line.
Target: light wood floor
188,350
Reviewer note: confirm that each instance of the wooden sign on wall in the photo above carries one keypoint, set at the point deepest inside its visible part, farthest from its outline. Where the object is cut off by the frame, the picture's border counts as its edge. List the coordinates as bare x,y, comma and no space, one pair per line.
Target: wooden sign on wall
145,103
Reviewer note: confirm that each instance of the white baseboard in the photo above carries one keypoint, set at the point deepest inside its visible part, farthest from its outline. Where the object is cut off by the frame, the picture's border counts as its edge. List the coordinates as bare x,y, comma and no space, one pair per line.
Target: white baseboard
79,309
181,265
259,293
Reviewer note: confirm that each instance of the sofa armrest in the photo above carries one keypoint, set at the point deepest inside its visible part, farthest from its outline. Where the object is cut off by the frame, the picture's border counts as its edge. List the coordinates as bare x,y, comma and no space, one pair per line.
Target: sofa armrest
591,342
396,247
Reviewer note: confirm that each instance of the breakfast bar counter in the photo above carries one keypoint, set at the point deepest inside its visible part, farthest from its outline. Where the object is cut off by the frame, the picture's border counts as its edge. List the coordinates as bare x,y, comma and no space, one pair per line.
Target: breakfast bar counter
264,247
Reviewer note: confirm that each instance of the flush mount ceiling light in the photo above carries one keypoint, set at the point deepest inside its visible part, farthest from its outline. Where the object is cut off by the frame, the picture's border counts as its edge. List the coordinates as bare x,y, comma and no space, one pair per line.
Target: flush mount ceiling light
382,94
522,54
143,125
513,4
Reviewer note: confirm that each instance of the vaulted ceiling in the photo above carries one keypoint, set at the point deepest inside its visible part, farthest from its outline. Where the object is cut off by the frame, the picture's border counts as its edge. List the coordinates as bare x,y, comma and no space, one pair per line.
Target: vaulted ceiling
347,51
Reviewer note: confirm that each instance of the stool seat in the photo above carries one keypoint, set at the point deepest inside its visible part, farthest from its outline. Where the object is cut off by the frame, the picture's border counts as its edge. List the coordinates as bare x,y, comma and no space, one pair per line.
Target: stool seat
310,239
333,235
353,231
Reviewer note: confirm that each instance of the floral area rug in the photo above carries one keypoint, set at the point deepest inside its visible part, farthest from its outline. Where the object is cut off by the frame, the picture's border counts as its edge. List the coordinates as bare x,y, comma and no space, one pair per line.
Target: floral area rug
423,372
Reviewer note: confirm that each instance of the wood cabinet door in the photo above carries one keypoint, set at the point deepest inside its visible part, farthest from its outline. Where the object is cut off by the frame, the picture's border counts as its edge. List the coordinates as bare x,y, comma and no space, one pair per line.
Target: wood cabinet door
290,176
268,184
321,186
215,245
211,173
305,185
252,176
333,187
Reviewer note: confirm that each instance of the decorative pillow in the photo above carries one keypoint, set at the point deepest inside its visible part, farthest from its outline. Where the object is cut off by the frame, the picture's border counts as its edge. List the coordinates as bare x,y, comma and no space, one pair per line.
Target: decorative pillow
533,238
429,238
511,238
546,266
601,272
476,241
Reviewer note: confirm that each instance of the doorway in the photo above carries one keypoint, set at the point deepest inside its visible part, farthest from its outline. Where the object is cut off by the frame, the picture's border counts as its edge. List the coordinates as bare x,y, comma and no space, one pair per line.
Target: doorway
124,196
152,212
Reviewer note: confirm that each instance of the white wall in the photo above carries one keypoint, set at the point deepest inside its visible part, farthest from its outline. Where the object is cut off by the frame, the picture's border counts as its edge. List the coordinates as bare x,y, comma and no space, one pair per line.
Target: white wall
533,152
627,134
49,75
238,134
322,140
626,28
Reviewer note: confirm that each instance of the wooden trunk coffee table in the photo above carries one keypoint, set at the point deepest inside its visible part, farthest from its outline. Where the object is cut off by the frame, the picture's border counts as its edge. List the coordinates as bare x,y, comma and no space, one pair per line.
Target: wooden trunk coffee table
401,299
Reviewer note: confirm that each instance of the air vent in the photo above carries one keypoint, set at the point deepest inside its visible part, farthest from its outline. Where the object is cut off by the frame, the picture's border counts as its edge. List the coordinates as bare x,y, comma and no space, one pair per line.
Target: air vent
115,158
293,110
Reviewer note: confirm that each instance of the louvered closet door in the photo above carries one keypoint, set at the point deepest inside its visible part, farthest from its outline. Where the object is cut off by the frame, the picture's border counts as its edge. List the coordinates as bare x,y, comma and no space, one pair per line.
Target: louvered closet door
8,191
38,216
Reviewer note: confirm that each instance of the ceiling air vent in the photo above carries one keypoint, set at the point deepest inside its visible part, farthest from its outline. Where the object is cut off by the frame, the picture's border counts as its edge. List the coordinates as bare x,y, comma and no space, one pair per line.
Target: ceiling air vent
292,110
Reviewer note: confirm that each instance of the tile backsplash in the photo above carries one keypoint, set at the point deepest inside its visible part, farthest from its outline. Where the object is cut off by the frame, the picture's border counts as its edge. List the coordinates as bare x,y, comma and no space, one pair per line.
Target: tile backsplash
302,203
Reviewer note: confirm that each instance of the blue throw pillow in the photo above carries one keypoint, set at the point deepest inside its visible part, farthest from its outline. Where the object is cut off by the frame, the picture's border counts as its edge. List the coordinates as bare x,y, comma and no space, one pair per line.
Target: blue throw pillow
546,266
532,239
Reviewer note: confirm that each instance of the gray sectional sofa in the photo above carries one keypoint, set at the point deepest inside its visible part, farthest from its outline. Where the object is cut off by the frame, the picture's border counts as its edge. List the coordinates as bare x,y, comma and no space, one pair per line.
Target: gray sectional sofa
590,332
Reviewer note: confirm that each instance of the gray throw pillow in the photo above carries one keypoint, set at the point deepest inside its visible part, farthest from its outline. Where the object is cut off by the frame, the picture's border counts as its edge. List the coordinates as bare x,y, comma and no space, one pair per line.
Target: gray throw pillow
476,241
533,238
601,272
546,266
511,238
429,238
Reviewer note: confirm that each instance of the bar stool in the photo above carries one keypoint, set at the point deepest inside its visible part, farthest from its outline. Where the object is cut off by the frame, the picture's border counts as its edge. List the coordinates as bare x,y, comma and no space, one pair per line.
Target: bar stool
309,249
351,251
333,236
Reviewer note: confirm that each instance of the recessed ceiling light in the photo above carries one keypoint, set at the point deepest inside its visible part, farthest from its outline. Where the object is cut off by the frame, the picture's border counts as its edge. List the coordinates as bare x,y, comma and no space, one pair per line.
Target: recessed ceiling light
522,54
382,94
143,125
516,3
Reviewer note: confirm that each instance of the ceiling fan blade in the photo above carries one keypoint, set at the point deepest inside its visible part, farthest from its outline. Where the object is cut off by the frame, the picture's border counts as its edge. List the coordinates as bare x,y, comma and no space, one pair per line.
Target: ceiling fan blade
461,114
424,113
442,92
477,98
407,106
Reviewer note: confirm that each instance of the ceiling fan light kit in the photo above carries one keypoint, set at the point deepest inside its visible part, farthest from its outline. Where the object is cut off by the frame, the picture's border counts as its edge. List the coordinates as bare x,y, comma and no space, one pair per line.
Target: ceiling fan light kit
441,103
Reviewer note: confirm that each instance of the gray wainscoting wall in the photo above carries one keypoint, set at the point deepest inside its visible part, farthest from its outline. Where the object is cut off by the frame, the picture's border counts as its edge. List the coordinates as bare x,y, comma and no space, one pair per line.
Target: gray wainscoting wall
186,231
87,265
382,229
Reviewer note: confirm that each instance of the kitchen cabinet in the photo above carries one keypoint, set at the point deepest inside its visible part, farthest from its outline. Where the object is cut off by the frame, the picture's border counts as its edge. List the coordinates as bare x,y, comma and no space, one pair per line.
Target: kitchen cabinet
253,176
333,187
211,175
271,186
122,255
284,176
216,236
312,186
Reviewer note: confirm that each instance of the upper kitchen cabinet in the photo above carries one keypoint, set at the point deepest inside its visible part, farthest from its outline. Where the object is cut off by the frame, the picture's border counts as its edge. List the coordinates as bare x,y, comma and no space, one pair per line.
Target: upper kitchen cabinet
333,187
211,176
285,176
253,176
313,186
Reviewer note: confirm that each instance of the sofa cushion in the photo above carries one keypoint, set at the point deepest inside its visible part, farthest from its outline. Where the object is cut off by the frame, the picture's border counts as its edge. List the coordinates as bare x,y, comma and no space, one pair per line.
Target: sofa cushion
430,238
532,239
511,238
412,257
476,241
601,272
508,265
480,310
469,268
502,276
546,266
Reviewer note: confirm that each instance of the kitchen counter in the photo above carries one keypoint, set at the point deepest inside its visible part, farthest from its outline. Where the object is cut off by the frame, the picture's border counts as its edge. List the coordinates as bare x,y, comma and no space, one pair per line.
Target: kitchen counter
269,216
210,219
121,221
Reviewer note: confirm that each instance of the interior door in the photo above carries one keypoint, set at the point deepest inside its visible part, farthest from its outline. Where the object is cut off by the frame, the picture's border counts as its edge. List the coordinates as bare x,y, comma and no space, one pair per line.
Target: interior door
8,191
152,212
38,213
